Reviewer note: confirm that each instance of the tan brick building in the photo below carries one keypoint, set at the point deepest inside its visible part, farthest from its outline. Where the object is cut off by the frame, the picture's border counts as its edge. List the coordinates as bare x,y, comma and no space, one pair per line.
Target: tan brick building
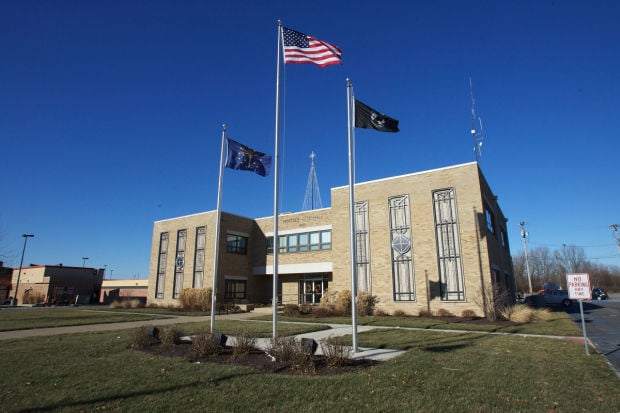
58,284
425,241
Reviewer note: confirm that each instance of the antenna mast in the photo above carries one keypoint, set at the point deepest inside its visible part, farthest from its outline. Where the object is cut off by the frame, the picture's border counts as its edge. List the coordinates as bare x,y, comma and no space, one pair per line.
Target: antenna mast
312,199
477,136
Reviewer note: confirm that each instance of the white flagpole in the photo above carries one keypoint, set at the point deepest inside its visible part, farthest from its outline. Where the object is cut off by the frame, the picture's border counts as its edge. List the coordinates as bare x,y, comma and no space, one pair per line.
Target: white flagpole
276,182
217,230
351,130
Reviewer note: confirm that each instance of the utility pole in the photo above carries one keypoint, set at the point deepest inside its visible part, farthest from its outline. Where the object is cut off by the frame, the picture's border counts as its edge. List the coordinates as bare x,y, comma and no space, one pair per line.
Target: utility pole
614,228
524,234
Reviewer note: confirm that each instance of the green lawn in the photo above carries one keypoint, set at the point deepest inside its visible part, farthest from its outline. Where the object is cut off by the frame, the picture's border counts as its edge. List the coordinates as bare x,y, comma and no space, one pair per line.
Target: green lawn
25,318
559,324
440,372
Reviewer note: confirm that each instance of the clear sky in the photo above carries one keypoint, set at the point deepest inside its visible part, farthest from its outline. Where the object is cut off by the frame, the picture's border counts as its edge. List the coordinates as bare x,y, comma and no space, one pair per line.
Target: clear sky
111,113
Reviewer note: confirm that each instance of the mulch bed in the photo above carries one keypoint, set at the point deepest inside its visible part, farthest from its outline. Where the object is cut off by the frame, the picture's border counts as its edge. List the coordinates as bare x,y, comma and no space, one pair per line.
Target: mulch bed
258,360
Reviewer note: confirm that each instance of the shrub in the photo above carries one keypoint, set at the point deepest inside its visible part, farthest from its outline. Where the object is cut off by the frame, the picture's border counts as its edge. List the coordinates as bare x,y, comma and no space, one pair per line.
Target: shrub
425,313
399,313
381,313
205,344
366,303
305,309
243,343
524,314
195,299
468,314
141,338
322,311
303,362
283,348
343,302
492,301
336,355
170,334
291,310
442,312
116,304
289,349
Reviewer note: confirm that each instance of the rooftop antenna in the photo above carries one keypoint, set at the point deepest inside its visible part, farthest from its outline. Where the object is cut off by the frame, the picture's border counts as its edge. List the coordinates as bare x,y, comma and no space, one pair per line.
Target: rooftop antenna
477,135
312,199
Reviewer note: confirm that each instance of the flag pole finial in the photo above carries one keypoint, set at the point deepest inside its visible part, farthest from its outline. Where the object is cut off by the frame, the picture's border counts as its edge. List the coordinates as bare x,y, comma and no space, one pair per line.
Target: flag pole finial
223,127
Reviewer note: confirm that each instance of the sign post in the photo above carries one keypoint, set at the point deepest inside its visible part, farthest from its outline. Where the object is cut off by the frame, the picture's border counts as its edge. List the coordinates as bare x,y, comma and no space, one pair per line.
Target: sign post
579,289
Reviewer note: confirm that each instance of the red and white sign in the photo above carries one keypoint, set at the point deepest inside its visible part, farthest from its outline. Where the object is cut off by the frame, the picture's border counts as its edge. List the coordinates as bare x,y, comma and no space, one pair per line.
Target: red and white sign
579,286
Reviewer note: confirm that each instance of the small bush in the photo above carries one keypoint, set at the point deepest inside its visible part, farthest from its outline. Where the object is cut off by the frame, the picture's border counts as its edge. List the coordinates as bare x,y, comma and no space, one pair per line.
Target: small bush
336,355
195,299
468,314
205,344
399,313
291,310
243,344
366,303
283,348
303,362
116,304
521,313
305,309
322,311
170,334
381,313
442,312
141,338
343,302
425,313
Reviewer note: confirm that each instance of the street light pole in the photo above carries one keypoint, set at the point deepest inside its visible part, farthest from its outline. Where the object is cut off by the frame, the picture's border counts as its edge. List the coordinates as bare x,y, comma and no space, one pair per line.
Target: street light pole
19,273
84,261
524,234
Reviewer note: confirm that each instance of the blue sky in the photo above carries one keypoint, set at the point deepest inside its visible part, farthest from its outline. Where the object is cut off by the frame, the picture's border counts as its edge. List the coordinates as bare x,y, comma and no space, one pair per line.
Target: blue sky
111,113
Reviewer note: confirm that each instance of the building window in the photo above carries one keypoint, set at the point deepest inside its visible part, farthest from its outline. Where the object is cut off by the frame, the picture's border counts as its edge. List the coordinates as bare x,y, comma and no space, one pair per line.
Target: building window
301,242
179,263
235,289
448,245
199,257
237,244
362,246
400,242
504,238
490,218
161,265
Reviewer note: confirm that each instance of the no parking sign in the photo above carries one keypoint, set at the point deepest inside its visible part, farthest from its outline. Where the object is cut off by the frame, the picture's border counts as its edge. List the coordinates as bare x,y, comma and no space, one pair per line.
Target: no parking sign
579,289
578,286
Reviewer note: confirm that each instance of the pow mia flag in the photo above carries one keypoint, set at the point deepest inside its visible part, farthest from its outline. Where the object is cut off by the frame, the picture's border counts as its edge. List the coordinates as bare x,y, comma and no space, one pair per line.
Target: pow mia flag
368,118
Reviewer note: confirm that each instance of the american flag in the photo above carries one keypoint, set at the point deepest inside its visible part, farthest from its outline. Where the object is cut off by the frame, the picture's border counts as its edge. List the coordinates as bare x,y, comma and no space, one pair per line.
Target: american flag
301,48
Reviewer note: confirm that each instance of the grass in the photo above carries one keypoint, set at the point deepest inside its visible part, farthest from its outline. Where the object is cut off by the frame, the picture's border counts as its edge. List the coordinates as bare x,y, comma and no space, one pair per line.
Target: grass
440,372
559,324
20,319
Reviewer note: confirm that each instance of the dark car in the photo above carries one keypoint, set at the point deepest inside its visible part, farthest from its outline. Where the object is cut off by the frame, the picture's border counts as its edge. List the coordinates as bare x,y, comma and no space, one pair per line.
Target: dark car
599,294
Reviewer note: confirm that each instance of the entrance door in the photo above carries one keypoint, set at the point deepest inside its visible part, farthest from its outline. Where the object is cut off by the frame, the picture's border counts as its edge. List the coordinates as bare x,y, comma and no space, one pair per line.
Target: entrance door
311,290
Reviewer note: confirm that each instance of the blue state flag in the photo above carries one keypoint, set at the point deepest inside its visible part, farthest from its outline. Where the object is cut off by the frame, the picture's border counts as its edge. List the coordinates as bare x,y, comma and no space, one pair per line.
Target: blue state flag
246,159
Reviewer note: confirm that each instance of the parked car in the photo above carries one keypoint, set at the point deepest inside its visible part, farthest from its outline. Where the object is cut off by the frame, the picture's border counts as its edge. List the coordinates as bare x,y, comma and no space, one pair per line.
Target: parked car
599,294
557,297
